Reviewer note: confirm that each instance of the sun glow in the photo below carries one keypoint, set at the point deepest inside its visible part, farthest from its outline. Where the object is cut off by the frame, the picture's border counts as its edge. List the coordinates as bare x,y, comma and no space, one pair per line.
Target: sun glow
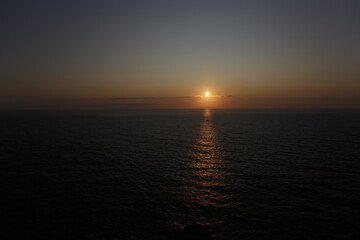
207,94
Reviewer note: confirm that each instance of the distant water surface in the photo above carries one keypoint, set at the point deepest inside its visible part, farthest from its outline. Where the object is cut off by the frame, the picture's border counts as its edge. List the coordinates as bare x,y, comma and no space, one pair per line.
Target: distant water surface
180,174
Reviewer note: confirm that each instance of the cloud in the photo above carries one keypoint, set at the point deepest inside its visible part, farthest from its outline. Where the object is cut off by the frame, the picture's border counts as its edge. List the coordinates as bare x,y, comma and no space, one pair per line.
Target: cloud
142,98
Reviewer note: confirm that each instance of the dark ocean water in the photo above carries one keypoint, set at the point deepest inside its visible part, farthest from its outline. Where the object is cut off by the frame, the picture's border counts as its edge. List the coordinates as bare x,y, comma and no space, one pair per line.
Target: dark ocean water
199,174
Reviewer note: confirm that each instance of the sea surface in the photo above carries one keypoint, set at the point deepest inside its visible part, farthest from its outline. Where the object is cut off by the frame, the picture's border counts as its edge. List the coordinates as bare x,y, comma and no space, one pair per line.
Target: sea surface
180,174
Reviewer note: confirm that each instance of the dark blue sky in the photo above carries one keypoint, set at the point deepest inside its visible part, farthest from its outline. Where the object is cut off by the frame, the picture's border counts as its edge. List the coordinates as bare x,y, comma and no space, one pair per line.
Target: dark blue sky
251,49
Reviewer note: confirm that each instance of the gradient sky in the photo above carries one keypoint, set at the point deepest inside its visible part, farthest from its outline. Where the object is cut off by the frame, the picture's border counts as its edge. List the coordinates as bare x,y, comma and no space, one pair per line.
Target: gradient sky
165,54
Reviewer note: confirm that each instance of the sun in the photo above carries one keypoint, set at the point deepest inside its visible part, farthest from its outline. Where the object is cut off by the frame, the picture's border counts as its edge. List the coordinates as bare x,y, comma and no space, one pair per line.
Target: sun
207,94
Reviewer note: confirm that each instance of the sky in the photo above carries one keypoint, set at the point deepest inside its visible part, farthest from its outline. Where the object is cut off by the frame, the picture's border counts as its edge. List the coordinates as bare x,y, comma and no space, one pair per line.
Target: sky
166,54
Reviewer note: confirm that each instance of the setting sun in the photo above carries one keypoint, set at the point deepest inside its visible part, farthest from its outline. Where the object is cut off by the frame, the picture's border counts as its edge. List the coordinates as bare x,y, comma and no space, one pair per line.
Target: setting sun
207,94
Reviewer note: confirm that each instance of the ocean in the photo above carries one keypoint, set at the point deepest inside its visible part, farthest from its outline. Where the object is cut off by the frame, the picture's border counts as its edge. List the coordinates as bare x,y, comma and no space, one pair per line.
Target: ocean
180,174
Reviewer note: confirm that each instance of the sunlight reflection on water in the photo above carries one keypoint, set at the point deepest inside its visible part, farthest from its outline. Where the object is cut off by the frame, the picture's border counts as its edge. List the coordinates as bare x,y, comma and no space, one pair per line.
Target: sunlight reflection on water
205,180
206,157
